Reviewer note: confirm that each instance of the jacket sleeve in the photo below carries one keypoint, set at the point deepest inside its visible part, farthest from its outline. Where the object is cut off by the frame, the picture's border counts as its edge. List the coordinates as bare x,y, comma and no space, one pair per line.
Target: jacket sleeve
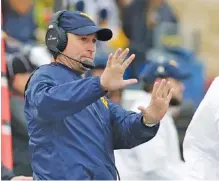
58,101
128,129
6,174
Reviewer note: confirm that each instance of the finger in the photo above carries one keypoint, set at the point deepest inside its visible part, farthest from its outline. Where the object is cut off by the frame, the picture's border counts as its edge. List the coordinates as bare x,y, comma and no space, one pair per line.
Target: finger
129,82
116,54
167,89
169,96
161,87
109,61
154,91
142,109
122,56
29,178
128,61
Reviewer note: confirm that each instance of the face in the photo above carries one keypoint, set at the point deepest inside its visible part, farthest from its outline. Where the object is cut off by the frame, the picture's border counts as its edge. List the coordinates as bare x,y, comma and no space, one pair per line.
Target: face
178,91
81,48
21,7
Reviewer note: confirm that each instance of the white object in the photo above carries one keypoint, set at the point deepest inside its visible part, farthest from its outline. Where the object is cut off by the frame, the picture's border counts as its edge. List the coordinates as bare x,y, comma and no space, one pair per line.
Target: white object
157,159
130,97
201,143
39,55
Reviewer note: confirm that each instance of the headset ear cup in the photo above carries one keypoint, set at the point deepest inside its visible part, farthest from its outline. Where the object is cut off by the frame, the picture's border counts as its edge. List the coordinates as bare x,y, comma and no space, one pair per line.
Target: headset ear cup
51,40
63,40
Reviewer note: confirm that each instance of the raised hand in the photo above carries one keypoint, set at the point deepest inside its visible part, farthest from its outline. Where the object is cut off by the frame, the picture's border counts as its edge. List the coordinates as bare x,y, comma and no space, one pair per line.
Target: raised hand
158,107
112,77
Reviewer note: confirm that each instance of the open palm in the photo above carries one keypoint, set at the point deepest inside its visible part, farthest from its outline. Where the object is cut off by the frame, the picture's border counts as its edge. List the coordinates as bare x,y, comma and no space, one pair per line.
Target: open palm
158,107
112,77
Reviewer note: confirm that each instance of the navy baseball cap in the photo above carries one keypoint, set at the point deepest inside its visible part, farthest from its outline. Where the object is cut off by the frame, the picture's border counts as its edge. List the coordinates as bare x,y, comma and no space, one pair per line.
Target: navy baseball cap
82,24
165,69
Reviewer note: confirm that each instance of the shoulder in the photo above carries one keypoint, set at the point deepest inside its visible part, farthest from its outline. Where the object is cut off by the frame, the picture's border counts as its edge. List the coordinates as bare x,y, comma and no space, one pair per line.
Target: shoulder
42,72
54,71
215,84
211,98
204,119
210,103
51,74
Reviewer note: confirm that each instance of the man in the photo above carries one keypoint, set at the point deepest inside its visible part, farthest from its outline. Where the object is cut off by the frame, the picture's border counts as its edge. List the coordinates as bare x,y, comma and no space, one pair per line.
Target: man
73,129
201,143
21,51
22,12
14,12
160,157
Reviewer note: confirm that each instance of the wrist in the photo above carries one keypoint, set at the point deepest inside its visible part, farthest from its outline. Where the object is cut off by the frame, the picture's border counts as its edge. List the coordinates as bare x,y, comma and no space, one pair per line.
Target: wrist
149,123
102,84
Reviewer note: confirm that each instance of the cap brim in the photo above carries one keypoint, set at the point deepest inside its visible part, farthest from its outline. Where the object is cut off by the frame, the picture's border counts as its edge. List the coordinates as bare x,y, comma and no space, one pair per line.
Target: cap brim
149,74
177,73
183,75
103,34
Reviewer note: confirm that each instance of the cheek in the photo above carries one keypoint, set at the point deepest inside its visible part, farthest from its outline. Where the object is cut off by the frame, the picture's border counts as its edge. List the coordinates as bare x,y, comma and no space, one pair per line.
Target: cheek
179,88
176,88
179,92
73,49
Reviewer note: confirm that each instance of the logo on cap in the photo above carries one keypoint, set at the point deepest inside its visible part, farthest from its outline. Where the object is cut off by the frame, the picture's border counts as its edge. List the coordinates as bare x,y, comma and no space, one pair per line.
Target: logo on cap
173,63
84,14
160,69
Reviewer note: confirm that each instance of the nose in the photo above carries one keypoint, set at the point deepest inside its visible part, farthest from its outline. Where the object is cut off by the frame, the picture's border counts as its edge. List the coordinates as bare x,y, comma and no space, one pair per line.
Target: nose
91,48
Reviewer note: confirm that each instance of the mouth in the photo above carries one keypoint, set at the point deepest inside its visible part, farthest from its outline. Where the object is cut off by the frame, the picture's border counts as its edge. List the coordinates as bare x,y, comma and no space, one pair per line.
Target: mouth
87,58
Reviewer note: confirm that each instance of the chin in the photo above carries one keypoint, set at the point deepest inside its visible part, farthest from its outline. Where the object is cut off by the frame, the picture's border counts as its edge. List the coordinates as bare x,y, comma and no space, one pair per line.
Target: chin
82,69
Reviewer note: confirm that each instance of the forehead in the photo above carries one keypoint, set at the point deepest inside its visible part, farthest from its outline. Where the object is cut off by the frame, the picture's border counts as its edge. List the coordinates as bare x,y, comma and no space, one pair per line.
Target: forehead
174,80
93,35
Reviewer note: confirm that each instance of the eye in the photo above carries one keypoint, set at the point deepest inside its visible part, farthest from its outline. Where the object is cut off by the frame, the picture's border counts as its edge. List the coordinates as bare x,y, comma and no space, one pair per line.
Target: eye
84,38
94,41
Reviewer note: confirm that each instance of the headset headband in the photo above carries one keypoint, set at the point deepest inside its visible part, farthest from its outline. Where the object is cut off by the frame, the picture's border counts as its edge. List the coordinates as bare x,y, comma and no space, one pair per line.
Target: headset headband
56,38
56,16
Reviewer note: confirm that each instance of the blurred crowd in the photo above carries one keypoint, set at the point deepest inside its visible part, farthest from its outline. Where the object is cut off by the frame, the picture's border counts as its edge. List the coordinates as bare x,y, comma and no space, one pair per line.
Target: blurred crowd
150,29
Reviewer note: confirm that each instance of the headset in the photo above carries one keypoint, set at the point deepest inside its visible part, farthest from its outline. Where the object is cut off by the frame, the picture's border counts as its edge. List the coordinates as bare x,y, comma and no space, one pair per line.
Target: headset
57,39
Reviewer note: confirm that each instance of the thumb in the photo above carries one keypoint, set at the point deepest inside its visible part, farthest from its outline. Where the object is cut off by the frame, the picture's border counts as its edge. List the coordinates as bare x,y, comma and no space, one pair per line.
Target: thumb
141,108
129,82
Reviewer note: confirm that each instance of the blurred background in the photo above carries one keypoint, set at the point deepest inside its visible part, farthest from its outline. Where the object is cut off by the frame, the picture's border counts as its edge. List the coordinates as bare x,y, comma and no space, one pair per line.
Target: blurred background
184,31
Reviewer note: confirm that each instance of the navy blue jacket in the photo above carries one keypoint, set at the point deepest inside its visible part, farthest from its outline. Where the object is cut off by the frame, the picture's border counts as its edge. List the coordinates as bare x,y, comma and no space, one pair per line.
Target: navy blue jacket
74,129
